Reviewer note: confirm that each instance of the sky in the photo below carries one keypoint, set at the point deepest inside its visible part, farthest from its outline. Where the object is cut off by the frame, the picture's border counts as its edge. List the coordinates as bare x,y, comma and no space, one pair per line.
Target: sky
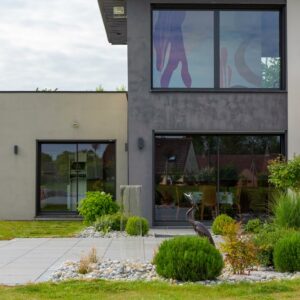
57,44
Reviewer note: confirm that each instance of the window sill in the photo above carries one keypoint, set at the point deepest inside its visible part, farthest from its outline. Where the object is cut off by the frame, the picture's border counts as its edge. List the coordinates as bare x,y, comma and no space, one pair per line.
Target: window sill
221,91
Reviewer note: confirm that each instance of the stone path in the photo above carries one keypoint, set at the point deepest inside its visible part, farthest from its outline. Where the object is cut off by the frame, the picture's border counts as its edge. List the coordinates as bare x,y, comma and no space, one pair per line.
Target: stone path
33,260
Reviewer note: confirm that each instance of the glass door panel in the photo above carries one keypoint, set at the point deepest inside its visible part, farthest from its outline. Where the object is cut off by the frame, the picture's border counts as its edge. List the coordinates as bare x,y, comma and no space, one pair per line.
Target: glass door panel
219,173
97,168
68,171
58,186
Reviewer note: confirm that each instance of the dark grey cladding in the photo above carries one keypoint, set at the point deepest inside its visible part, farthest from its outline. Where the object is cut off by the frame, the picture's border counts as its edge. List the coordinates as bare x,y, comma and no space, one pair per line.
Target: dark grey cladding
186,112
115,25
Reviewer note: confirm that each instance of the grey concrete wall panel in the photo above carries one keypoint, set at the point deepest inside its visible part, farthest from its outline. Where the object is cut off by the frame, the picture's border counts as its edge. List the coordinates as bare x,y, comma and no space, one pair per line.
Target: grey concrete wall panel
183,111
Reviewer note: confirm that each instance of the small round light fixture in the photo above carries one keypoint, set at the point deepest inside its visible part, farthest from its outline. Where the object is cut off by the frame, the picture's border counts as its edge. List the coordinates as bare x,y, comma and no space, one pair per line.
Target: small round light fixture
75,124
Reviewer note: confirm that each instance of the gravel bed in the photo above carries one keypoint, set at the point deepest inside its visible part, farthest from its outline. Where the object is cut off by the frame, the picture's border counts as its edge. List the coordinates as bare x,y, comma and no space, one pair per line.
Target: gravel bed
129,271
91,232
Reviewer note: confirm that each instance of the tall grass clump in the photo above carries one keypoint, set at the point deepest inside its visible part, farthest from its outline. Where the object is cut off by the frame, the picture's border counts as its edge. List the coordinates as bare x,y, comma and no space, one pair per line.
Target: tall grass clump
286,210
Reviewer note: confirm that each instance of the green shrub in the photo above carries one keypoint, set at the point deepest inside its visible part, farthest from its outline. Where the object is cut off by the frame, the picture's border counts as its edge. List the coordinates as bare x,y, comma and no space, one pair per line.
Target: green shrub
253,226
96,204
240,251
188,259
287,210
137,226
287,253
219,223
115,222
266,240
285,174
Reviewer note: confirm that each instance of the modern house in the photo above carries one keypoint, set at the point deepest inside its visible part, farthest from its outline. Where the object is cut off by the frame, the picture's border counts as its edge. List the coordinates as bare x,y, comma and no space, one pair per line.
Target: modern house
212,97
220,74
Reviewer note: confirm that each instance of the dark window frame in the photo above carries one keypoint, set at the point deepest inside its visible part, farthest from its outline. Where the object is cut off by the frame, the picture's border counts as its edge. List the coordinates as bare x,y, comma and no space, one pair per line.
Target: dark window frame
217,9
283,149
39,143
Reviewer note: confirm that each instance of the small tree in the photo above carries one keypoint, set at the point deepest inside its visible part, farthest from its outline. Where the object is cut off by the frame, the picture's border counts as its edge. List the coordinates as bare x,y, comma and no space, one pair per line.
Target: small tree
99,89
284,174
121,88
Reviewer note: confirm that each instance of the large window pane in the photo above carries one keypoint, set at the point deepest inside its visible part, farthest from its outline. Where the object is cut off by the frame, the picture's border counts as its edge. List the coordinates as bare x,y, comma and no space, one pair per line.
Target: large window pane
220,174
183,49
249,49
185,172
69,171
99,162
58,185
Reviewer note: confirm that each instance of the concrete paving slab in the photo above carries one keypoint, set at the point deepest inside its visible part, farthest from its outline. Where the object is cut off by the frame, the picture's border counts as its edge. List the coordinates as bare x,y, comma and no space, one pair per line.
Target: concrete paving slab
33,260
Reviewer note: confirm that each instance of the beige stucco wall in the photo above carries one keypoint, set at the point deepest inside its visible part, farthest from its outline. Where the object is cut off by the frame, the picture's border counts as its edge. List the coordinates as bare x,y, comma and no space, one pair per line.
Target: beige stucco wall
27,117
293,36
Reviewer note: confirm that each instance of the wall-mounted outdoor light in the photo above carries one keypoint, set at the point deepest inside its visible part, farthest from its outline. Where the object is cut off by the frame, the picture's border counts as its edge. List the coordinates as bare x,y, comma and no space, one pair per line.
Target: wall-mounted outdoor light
16,149
141,143
119,12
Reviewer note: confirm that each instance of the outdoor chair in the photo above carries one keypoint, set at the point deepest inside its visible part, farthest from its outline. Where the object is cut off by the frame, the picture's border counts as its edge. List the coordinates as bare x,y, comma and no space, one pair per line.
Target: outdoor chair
209,199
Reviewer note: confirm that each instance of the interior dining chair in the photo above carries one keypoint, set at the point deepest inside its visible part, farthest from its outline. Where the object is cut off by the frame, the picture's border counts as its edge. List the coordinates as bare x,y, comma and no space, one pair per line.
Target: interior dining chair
209,199
238,194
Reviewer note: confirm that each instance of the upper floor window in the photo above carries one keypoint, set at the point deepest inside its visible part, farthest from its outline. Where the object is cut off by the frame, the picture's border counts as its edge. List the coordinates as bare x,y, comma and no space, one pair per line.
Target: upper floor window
217,49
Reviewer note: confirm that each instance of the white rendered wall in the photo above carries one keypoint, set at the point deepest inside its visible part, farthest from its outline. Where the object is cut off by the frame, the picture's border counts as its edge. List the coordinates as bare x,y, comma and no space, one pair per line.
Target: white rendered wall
27,117
293,54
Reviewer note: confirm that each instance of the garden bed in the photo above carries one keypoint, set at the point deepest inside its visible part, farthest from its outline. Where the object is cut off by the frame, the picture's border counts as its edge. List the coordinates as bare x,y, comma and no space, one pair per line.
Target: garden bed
134,270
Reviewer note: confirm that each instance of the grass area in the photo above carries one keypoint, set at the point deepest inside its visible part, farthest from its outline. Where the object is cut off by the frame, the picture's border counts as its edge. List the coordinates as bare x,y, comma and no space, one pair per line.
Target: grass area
140,290
33,229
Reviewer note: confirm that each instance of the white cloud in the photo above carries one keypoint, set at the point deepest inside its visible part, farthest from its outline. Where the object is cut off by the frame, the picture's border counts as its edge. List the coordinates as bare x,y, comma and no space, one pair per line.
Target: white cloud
57,44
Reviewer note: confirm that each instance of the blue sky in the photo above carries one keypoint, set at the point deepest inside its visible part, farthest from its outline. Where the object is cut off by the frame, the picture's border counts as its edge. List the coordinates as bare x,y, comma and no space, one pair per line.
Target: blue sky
57,44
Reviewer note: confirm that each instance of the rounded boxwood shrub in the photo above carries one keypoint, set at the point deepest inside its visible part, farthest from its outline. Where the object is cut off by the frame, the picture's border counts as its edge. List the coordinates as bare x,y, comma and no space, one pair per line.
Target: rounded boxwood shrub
96,204
188,259
220,222
253,226
115,222
287,253
137,226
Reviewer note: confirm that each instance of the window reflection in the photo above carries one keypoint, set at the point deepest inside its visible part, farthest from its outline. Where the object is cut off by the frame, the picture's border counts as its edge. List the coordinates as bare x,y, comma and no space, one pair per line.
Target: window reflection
68,171
183,49
249,49
222,174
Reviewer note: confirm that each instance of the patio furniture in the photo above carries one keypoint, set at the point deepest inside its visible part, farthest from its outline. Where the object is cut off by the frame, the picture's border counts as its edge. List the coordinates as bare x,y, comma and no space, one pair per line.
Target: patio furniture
209,199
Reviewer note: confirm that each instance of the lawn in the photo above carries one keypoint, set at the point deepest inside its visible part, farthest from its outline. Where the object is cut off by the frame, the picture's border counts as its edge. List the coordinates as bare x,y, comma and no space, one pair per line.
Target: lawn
34,229
140,290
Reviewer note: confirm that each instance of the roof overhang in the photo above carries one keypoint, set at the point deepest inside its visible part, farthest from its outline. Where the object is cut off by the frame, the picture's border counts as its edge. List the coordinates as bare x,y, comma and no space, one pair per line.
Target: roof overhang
114,15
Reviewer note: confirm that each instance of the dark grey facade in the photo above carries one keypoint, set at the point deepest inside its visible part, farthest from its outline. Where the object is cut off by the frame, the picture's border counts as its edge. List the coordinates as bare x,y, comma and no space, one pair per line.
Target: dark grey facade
151,112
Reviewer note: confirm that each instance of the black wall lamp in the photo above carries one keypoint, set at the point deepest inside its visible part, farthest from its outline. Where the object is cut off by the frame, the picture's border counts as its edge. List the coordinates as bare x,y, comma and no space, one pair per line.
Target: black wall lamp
16,149
141,143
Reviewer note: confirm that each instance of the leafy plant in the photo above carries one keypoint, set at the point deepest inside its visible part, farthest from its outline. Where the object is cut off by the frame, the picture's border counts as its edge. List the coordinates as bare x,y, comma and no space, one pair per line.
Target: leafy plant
99,88
188,259
287,253
115,222
207,175
240,251
285,174
265,241
96,204
253,226
220,222
286,210
271,73
228,172
137,226
121,88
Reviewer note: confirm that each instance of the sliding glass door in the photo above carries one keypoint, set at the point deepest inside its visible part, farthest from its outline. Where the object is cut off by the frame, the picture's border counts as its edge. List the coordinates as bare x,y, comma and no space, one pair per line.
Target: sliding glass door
219,173
68,170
